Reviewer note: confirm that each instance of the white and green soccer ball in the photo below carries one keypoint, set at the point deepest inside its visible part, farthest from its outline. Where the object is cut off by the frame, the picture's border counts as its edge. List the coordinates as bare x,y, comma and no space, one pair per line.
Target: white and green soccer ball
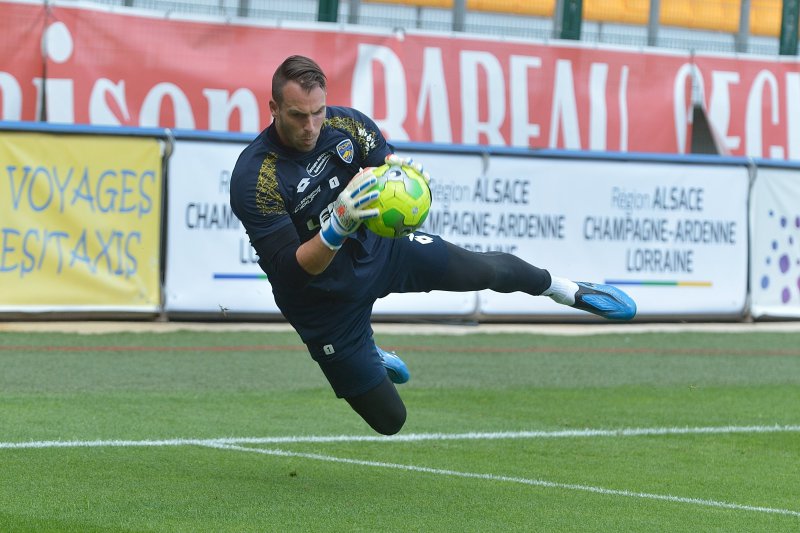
403,203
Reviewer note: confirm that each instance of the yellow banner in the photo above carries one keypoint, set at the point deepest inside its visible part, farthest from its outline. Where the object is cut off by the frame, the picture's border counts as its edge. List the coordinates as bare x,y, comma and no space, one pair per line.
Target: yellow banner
715,15
539,8
80,222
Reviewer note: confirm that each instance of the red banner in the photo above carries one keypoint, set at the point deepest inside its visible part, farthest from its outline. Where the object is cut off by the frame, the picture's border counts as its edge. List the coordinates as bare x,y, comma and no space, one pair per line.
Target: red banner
753,104
119,68
21,60
466,91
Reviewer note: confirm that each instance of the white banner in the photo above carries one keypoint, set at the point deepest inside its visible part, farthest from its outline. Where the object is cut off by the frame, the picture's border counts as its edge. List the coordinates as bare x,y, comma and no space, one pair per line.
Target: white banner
210,265
775,243
674,236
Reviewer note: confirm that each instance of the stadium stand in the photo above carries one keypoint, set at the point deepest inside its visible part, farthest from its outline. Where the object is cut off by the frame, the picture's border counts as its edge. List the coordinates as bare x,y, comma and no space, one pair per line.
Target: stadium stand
697,25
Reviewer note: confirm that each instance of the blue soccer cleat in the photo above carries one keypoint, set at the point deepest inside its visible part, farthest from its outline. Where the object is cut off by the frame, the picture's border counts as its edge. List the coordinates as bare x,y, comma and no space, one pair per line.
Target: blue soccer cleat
395,367
604,300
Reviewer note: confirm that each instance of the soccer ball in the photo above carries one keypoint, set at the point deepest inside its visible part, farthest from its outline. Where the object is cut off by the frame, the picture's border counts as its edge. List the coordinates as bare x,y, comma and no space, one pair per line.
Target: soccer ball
403,204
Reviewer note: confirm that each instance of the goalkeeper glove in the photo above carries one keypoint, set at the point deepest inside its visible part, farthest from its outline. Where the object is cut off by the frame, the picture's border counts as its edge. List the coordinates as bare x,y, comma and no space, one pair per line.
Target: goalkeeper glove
345,213
394,159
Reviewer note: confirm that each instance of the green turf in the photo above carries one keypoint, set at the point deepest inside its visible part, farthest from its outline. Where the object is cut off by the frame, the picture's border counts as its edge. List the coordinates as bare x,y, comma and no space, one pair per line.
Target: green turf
62,387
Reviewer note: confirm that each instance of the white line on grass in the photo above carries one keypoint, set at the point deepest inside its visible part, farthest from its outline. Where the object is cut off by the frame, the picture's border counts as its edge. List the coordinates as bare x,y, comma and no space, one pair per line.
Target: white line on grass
410,437
524,481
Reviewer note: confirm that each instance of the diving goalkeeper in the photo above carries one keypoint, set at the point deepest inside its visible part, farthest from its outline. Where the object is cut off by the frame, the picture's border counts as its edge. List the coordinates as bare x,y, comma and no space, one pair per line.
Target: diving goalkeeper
301,194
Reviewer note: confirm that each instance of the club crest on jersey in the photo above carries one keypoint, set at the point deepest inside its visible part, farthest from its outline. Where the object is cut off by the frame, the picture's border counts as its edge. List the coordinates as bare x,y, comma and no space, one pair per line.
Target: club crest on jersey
314,169
345,150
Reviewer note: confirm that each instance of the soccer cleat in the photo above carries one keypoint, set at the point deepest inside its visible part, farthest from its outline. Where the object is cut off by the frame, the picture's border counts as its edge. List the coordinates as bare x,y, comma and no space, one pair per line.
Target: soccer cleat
395,367
604,300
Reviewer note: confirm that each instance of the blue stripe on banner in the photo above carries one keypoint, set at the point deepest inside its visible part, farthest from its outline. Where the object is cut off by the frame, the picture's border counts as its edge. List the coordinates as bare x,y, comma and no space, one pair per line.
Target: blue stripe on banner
224,275
659,283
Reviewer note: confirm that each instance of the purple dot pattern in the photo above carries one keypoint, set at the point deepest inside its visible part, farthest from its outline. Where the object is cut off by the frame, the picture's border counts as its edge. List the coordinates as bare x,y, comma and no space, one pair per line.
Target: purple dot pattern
783,262
783,273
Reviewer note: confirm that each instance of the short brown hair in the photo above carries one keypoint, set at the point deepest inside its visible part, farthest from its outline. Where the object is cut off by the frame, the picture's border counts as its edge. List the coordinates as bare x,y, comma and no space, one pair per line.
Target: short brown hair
300,69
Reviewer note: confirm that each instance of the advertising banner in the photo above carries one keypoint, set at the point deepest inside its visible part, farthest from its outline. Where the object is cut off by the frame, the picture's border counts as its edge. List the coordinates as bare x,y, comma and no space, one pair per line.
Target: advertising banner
775,243
107,66
21,60
659,231
123,67
753,104
80,223
210,265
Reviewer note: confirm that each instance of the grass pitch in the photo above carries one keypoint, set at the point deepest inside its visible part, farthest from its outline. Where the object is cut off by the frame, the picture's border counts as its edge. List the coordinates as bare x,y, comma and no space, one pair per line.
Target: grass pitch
238,431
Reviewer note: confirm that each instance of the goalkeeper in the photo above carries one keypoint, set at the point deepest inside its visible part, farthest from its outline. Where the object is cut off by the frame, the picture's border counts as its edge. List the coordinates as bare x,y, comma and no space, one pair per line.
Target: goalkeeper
300,193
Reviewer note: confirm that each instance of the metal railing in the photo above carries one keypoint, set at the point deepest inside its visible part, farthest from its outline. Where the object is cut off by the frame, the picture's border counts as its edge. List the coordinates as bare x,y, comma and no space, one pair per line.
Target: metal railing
765,27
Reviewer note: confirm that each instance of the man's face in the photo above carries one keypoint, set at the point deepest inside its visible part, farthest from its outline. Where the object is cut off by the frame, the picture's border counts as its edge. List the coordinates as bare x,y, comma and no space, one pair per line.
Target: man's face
299,116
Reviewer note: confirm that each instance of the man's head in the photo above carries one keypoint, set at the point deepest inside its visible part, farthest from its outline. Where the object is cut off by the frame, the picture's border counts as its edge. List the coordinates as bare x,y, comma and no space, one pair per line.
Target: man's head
298,102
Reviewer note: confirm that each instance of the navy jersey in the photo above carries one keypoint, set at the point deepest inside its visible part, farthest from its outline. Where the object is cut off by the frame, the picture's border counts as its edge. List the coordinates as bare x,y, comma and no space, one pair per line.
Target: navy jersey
274,187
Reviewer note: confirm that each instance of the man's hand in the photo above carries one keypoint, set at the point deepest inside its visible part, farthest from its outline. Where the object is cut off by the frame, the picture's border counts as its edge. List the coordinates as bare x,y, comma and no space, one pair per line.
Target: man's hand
346,212
394,159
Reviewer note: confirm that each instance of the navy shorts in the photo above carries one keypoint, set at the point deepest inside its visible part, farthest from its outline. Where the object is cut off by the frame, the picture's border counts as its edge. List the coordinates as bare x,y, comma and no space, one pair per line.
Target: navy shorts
340,332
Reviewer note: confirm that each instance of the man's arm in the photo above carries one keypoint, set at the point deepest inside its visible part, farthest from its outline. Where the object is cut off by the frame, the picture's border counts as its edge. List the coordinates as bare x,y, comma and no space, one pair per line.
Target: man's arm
314,256
297,262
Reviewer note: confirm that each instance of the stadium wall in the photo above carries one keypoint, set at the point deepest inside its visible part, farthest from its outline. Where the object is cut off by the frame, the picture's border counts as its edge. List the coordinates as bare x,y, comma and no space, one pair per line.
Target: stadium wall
109,221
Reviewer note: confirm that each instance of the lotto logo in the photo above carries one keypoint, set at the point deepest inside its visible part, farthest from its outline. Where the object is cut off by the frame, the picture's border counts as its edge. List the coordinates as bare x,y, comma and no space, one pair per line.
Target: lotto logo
422,239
